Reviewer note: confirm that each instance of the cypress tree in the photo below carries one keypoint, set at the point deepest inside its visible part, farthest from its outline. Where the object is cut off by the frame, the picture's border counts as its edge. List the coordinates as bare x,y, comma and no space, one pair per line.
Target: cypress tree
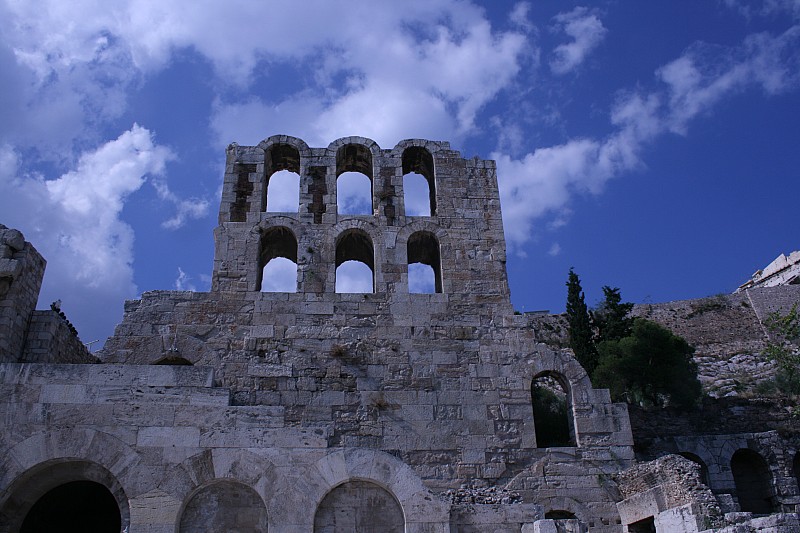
580,325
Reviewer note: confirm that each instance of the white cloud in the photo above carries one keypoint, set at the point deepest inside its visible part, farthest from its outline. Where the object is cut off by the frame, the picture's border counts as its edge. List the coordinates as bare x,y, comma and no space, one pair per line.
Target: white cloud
695,83
586,31
74,221
283,192
353,277
188,209
421,279
184,282
279,275
555,249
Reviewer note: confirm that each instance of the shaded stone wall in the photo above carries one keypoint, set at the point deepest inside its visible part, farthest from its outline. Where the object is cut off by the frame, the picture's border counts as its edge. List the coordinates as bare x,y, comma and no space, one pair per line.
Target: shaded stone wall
21,273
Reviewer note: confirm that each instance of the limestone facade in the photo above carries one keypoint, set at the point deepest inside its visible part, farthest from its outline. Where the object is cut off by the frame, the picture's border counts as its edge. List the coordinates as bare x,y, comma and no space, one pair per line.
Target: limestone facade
243,410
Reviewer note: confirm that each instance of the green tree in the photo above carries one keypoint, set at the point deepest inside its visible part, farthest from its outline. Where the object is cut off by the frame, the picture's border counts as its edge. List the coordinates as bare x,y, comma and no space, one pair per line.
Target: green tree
784,350
651,367
611,318
581,333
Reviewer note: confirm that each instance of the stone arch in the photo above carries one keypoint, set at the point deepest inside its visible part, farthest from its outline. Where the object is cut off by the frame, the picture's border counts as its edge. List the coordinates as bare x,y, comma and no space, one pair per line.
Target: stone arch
754,483
423,247
355,154
219,465
44,462
562,363
422,509
355,244
418,159
696,459
223,505
552,410
359,505
275,242
562,504
280,157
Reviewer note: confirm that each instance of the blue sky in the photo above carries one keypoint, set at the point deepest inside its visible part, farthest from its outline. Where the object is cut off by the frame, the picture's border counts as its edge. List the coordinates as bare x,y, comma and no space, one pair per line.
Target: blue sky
651,145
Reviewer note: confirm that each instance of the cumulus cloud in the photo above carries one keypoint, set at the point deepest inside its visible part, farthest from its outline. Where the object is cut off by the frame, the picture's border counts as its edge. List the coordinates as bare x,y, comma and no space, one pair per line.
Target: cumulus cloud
74,221
586,31
279,275
690,86
353,277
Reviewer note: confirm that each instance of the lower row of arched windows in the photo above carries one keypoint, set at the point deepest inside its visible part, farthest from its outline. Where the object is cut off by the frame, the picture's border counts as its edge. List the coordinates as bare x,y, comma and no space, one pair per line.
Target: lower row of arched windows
355,262
223,505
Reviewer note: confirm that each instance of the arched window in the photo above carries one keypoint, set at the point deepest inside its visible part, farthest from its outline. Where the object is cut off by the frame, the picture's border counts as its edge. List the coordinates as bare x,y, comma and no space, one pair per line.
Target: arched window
419,184
754,487
277,265
74,506
355,262
359,506
424,263
552,411
354,180
224,506
282,179
65,495
703,467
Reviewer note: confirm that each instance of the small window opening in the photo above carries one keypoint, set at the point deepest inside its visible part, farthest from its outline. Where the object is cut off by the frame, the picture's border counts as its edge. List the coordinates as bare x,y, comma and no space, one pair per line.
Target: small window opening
353,194
796,468
74,506
424,263
703,467
282,179
753,482
354,180
278,261
552,411
559,515
283,192
417,195
648,525
418,162
355,263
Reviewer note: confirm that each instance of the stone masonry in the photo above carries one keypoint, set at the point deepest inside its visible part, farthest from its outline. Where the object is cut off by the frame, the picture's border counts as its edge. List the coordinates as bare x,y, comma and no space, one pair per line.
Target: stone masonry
243,410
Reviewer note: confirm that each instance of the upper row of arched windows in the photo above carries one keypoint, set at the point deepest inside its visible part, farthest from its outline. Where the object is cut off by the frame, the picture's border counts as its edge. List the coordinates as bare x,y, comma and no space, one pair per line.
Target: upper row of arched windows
354,180
355,262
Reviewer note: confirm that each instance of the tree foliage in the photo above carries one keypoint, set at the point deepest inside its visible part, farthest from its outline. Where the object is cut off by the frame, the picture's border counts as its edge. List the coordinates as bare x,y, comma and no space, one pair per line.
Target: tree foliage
640,361
784,350
581,333
651,367
611,318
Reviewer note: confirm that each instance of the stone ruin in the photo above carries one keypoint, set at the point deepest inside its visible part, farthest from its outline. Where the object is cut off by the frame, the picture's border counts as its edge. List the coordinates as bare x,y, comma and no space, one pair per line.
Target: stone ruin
243,410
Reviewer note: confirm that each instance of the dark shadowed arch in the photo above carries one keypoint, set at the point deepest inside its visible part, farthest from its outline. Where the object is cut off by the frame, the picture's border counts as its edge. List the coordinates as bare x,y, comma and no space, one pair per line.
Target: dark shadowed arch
753,479
552,410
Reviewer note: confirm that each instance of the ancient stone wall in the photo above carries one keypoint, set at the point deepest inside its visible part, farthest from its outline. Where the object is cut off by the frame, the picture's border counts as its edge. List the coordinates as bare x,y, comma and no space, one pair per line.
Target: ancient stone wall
21,273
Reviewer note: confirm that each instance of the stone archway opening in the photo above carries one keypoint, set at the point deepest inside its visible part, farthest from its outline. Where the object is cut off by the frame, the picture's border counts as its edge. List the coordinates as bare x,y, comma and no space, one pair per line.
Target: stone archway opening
552,411
66,495
74,506
753,480
360,506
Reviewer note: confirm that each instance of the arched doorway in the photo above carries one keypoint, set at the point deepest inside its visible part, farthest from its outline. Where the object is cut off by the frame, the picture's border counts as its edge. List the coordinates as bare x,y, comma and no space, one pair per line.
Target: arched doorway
552,411
359,506
74,506
65,495
754,487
